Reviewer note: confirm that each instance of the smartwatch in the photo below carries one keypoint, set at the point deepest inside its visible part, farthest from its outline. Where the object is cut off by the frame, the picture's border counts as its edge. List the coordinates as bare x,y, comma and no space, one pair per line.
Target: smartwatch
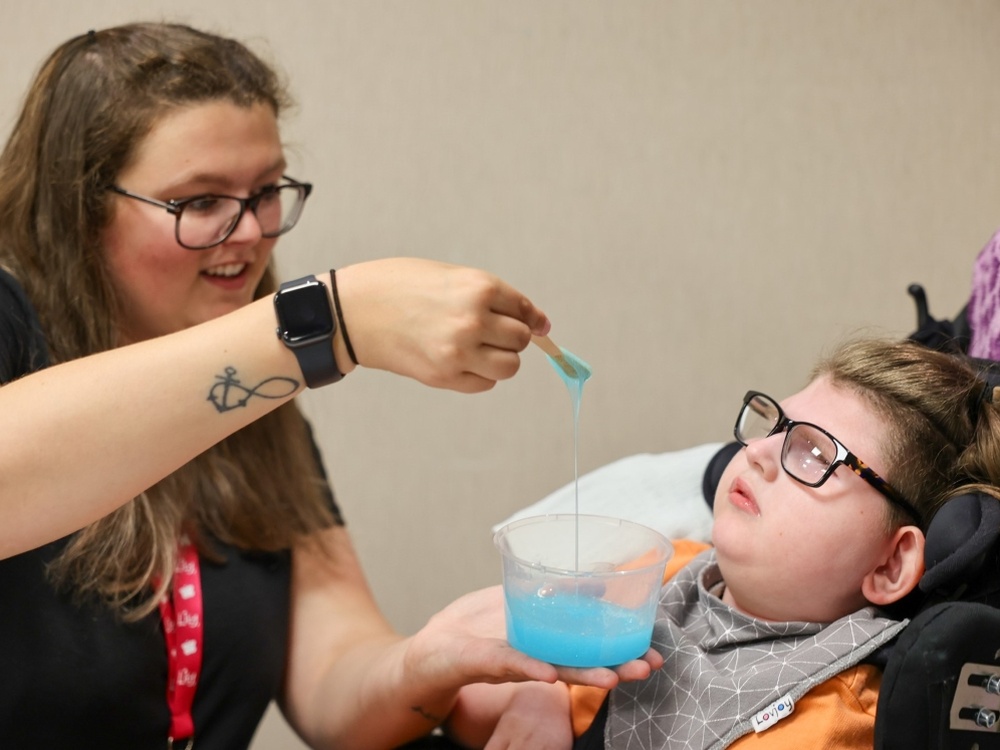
306,326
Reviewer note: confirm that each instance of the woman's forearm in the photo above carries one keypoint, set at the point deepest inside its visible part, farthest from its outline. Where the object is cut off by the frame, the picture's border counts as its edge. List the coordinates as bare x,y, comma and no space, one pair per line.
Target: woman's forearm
82,438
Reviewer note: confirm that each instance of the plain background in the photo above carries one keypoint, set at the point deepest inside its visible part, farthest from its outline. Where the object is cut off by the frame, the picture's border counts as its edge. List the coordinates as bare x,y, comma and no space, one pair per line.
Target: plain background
703,195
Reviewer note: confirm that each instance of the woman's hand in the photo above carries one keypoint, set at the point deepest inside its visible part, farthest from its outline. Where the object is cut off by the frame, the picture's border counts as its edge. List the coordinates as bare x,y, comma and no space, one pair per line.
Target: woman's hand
446,326
465,643
466,640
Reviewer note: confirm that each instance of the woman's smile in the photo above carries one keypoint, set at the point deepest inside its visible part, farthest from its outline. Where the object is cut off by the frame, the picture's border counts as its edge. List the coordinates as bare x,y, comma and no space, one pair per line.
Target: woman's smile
228,276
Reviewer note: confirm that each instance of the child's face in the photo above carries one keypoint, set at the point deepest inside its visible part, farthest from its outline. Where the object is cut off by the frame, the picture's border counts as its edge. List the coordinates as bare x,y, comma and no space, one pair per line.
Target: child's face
792,552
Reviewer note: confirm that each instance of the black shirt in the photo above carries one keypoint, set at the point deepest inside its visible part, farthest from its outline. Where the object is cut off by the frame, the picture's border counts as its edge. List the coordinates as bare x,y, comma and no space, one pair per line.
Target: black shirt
75,676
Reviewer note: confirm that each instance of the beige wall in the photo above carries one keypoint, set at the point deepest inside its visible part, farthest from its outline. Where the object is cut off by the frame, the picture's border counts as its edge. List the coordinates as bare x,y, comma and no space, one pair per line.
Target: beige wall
702,194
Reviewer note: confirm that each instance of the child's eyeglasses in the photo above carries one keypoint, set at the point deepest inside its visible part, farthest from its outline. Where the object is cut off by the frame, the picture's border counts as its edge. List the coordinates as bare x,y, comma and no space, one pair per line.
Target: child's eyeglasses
809,453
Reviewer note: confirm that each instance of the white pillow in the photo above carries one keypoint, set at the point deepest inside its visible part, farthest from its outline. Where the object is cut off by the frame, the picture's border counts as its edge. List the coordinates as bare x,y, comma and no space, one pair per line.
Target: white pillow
662,491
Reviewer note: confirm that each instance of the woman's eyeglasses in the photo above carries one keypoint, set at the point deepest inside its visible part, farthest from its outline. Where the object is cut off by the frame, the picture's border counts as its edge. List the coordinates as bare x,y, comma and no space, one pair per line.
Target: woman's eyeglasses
809,453
207,220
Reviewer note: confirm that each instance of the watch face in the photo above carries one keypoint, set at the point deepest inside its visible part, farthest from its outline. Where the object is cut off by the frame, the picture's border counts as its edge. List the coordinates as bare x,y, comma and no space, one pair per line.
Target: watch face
304,312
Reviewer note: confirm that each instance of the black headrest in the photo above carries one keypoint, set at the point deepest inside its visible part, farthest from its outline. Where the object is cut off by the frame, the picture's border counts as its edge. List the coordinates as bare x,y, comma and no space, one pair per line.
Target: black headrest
943,335
960,538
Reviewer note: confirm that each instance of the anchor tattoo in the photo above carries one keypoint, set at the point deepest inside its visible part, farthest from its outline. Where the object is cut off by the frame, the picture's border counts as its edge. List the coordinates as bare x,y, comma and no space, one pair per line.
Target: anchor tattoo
229,393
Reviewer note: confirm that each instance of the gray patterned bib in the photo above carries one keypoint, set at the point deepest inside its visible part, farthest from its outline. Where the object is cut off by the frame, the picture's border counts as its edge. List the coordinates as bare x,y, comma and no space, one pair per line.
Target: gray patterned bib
723,667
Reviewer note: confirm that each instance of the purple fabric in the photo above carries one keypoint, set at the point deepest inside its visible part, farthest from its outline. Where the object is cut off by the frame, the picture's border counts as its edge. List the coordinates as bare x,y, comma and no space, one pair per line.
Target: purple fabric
984,304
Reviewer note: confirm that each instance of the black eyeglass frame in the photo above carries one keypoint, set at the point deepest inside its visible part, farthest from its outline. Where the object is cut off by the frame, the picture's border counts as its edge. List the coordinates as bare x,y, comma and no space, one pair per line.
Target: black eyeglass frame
844,456
177,208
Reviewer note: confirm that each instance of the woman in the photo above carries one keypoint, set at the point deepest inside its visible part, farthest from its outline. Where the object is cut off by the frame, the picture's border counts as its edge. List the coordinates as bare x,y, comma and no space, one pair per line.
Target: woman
170,548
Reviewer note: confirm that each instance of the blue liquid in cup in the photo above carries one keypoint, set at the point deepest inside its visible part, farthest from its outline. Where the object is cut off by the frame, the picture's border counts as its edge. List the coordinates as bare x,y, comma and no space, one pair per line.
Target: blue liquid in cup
575,630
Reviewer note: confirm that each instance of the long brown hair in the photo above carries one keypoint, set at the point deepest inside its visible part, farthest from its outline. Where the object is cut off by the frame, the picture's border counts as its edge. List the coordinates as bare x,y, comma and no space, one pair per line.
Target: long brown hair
943,429
91,104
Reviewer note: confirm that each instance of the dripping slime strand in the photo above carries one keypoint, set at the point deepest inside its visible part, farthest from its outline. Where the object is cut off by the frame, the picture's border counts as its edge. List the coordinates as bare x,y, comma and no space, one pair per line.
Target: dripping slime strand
574,372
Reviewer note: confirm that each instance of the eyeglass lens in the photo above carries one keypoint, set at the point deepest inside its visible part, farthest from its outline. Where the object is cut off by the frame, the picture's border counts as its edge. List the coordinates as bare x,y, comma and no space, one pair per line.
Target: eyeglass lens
208,220
757,418
807,453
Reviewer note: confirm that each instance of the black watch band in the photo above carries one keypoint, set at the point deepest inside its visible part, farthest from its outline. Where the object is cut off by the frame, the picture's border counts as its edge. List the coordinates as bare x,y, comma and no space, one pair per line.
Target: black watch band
306,325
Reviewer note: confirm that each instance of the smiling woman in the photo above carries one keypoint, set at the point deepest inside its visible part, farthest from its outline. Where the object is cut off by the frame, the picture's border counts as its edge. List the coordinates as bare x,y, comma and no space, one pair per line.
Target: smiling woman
165,520
229,149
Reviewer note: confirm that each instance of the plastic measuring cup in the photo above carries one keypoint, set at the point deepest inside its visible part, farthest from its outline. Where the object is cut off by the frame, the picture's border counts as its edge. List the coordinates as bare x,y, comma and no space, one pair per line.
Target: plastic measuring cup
597,611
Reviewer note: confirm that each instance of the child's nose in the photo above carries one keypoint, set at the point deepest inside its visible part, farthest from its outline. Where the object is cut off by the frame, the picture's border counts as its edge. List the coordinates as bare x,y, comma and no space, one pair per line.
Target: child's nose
765,454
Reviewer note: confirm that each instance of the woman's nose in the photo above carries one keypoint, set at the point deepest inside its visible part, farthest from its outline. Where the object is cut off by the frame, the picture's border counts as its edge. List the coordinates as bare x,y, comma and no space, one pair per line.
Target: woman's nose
247,229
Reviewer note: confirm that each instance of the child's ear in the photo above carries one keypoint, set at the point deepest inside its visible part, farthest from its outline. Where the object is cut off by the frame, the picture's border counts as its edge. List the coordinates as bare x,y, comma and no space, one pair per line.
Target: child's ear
900,569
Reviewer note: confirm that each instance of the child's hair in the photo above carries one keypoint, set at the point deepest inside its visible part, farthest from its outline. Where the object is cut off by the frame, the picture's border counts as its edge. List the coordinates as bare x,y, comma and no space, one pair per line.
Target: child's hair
943,429
88,110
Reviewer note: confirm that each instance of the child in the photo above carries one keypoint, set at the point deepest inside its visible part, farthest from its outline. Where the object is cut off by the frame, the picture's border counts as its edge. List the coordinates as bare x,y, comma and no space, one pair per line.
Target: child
818,527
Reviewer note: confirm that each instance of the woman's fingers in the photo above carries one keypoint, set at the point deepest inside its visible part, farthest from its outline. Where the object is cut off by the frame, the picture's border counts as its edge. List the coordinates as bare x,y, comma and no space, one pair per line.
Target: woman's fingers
511,304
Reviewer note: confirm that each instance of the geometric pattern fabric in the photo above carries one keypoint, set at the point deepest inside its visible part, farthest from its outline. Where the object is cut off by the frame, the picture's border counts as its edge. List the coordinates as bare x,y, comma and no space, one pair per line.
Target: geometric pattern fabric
723,667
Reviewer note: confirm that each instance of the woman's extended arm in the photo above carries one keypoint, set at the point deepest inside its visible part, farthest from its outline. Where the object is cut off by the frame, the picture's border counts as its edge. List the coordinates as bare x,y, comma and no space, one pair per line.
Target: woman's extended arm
82,438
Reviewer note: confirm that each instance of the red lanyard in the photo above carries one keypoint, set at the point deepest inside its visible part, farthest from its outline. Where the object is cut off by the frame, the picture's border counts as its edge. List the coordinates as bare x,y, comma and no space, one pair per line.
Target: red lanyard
183,628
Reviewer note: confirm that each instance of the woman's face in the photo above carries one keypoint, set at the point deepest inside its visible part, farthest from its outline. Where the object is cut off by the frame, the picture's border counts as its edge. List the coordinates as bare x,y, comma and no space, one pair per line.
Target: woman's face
792,552
216,147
